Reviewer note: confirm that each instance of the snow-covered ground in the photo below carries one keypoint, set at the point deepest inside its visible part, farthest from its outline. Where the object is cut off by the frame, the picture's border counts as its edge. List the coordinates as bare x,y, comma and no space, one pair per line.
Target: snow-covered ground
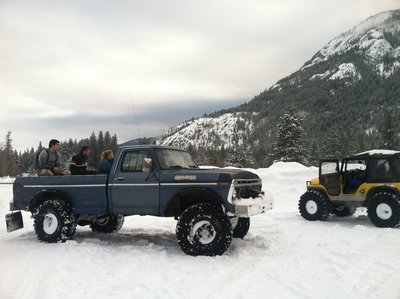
283,256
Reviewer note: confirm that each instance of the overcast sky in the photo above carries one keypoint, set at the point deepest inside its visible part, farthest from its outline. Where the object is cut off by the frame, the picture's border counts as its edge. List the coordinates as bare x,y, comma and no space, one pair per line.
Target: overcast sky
136,68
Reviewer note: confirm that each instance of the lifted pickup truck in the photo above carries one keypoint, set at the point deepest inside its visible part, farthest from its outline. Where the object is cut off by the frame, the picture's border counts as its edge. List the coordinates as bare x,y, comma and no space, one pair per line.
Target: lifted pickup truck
211,205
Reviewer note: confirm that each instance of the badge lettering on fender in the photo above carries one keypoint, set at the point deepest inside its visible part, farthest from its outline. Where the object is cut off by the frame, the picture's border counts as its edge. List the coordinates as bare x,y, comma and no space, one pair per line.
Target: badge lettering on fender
185,178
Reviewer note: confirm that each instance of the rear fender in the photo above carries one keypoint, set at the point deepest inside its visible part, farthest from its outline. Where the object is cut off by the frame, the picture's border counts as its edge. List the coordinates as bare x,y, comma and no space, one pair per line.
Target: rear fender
382,188
48,194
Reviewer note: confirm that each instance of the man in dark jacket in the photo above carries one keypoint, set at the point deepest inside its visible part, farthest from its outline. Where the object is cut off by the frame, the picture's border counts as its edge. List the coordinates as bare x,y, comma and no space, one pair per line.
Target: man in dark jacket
79,162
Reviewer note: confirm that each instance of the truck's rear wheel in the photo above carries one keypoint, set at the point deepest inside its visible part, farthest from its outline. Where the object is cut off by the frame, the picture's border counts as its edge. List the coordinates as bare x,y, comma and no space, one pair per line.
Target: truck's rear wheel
240,226
53,222
313,206
108,224
202,229
384,209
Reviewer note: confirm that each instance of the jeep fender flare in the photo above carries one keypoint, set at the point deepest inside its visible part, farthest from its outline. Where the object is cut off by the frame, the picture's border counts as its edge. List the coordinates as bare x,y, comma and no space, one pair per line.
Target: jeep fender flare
187,197
322,190
48,194
382,188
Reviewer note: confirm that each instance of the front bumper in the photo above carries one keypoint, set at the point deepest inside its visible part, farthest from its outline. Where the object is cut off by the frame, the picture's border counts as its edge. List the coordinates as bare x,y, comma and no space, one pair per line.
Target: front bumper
246,207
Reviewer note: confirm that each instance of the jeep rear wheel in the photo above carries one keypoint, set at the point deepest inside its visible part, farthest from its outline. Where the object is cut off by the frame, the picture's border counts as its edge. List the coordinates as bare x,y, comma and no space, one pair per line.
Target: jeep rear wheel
240,226
203,229
313,206
384,209
53,222
108,224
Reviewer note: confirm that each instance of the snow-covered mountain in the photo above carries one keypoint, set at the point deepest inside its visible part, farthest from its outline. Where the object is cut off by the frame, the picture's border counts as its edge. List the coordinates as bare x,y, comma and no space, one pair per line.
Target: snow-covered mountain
351,85
371,46
227,130
376,40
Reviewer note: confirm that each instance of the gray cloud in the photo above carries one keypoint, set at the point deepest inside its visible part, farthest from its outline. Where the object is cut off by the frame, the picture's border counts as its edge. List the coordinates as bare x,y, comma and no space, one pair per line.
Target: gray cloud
72,67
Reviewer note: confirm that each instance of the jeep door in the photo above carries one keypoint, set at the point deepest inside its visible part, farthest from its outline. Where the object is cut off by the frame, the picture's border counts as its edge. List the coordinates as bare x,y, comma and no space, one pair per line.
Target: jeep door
329,176
135,186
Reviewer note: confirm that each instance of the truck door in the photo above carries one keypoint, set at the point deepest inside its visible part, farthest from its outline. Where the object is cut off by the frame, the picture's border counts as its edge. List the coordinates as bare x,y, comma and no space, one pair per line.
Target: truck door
135,187
329,176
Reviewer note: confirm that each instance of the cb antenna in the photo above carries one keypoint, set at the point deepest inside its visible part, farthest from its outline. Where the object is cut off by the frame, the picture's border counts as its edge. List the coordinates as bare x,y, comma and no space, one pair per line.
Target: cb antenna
134,114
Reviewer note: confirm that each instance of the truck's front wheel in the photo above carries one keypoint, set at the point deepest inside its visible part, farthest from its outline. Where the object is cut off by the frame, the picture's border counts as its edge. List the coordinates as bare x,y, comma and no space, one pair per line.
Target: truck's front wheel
108,224
53,222
203,229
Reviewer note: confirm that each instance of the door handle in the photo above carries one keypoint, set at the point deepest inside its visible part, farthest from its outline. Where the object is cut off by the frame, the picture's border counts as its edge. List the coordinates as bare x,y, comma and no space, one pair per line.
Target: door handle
120,178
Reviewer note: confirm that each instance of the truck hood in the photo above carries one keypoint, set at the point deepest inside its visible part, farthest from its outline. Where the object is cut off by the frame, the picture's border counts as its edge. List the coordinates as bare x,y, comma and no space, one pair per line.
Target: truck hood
205,175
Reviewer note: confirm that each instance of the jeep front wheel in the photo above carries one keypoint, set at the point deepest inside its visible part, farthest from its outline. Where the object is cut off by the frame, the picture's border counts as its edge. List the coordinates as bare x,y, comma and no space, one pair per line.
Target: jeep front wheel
53,222
203,229
384,209
313,206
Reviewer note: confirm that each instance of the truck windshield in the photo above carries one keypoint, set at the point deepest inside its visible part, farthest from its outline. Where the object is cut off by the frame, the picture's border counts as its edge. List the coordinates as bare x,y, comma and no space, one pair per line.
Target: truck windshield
170,159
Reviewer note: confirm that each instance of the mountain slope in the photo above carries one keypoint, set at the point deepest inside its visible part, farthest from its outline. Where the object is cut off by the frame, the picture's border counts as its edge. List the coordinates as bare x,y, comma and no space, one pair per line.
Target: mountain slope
351,86
227,130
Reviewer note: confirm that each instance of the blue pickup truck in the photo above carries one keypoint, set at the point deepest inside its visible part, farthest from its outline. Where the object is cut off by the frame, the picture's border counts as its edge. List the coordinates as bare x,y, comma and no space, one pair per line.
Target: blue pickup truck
212,206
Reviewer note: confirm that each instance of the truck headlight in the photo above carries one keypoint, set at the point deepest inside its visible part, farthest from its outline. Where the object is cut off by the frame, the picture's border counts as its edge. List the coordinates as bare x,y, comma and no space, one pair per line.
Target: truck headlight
234,194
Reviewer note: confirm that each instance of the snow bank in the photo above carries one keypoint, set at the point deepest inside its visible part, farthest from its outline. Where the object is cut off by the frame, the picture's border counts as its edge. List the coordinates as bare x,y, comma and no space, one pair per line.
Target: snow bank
6,180
287,166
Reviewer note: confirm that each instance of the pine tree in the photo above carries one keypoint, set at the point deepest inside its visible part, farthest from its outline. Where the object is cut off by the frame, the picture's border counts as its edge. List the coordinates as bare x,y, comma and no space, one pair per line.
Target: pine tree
389,137
289,144
12,157
339,143
3,161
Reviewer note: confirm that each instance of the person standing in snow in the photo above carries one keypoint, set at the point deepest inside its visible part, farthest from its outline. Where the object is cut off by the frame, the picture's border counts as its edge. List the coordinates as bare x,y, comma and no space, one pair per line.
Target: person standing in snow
49,160
79,162
107,158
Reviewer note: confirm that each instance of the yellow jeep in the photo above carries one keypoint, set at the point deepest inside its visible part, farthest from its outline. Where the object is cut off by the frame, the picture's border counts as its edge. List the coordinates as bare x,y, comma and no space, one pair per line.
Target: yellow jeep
370,179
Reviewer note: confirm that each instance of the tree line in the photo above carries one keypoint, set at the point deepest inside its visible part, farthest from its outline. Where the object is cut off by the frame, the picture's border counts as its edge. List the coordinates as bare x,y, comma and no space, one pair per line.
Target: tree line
13,163
289,141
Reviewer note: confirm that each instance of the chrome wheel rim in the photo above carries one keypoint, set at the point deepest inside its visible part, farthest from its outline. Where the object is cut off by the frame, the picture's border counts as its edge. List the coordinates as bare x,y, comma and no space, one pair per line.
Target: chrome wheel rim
203,231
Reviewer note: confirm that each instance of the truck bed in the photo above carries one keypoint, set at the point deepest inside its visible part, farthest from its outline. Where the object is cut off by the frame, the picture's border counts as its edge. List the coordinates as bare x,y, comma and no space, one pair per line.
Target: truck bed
87,193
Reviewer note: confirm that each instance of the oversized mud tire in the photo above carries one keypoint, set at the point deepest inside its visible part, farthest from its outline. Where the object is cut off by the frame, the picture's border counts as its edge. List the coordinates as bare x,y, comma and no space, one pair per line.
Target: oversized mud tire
240,226
313,206
108,224
203,229
384,209
343,211
53,222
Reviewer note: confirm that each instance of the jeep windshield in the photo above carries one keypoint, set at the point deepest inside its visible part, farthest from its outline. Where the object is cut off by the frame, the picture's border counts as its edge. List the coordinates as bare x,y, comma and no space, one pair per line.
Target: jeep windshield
174,159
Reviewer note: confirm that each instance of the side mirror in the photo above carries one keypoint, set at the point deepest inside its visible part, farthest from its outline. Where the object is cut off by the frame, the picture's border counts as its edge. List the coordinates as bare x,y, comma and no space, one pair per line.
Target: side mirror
147,165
